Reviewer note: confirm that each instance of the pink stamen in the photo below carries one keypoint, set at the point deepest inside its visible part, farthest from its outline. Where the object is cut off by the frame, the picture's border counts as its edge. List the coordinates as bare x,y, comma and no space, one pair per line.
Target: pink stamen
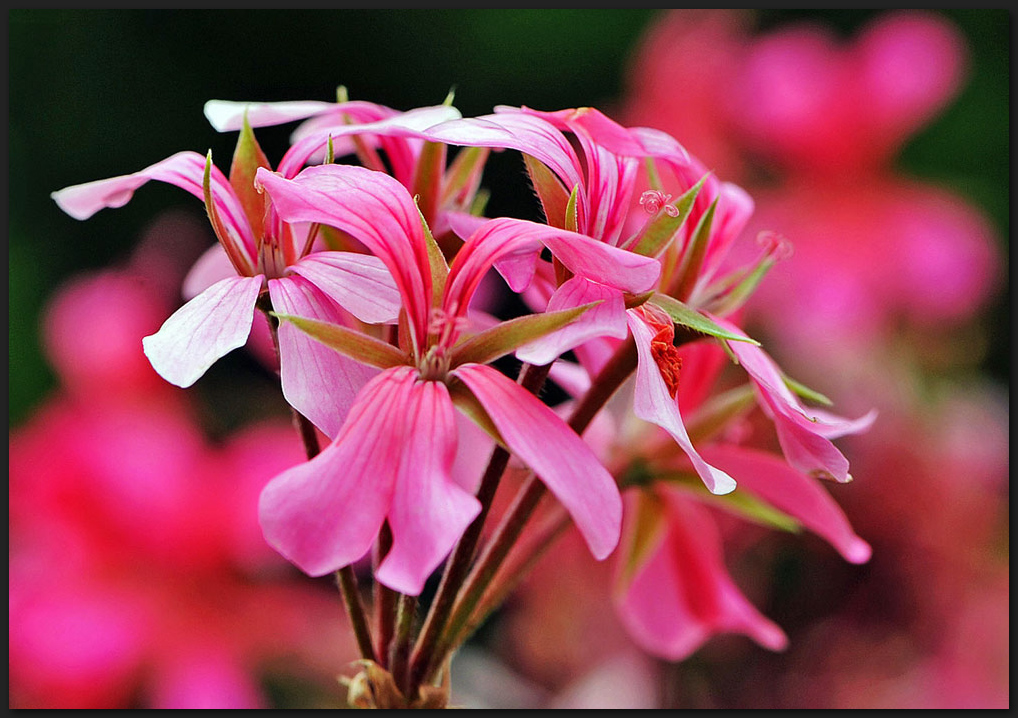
653,201
775,245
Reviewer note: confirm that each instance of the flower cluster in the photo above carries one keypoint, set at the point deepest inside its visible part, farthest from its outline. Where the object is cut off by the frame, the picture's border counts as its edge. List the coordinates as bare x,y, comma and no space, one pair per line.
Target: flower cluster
365,248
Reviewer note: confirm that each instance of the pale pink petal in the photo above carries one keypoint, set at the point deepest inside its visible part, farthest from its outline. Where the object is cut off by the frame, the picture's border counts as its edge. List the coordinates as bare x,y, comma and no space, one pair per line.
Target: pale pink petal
606,319
226,116
792,492
185,170
209,326
324,514
214,264
572,377
473,451
683,595
429,511
360,283
652,402
373,207
317,381
561,459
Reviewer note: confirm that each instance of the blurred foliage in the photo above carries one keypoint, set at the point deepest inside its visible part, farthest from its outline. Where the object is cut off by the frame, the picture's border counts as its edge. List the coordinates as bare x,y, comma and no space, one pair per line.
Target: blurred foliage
98,93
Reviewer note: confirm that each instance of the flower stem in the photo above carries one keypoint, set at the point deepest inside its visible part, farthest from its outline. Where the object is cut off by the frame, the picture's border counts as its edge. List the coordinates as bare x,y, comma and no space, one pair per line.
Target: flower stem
424,659
399,655
612,376
385,599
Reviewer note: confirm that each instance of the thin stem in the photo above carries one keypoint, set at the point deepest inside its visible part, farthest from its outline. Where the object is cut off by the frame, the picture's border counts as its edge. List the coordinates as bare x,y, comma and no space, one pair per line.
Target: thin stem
531,378
612,376
399,655
385,599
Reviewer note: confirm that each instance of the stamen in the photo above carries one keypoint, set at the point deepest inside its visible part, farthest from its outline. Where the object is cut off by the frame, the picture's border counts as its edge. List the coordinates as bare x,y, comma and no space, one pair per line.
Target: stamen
653,201
775,245
446,325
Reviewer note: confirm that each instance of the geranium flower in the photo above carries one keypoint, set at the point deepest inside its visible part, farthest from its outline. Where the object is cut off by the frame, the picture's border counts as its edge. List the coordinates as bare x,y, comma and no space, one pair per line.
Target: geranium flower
392,458
268,256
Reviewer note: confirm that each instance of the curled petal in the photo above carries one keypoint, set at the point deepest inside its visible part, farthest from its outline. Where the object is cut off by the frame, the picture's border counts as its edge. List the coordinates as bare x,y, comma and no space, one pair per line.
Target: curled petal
324,514
544,442
205,329
317,381
654,403
429,510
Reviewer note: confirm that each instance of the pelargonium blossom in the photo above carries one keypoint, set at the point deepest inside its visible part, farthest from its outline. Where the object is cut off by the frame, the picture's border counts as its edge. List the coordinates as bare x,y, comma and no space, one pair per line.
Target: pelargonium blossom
392,458
265,256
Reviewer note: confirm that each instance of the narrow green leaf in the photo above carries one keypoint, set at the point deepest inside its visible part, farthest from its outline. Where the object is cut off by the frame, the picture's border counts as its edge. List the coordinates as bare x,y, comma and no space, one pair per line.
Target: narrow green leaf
572,218
237,258
686,316
247,158
550,190
716,413
739,502
692,258
353,344
660,231
436,260
507,336
427,183
730,292
805,392
463,178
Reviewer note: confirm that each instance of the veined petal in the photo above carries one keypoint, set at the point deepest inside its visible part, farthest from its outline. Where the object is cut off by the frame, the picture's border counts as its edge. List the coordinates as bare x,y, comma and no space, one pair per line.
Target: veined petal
360,283
185,170
324,514
318,382
682,594
209,326
791,491
652,402
606,319
373,207
544,442
429,512
226,116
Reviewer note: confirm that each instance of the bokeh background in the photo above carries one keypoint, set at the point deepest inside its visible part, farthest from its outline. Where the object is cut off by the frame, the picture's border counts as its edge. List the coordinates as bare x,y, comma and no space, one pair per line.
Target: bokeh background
98,93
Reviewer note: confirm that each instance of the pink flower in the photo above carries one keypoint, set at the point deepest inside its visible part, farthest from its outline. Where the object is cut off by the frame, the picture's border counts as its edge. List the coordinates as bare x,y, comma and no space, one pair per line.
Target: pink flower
267,256
392,458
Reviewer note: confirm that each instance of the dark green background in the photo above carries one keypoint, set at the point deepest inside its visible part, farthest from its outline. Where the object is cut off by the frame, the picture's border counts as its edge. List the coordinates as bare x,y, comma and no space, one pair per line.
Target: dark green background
98,93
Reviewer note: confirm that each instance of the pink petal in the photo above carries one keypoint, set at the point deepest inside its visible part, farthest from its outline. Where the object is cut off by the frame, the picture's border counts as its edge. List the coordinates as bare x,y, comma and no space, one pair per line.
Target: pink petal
317,381
792,492
605,319
227,116
204,677
360,283
325,514
429,511
214,264
185,170
374,208
565,464
653,403
683,594
209,326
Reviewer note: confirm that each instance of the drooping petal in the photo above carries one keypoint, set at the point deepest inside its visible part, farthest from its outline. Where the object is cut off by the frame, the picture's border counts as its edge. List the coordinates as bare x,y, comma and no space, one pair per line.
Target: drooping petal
205,329
185,170
652,402
373,207
227,116
360,283
317,381
429,511
324,514
791,491
561,459
682,594
606,319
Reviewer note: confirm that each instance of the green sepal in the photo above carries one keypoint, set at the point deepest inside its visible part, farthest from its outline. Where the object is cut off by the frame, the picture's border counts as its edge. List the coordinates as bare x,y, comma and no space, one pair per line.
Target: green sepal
644,534
247,158
436,260
572,218
740,503
504,337
692,258
427,182
239,261
688,317
463,178
732,291
658,233
349,342
805,392
550,190
466,402
715,413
